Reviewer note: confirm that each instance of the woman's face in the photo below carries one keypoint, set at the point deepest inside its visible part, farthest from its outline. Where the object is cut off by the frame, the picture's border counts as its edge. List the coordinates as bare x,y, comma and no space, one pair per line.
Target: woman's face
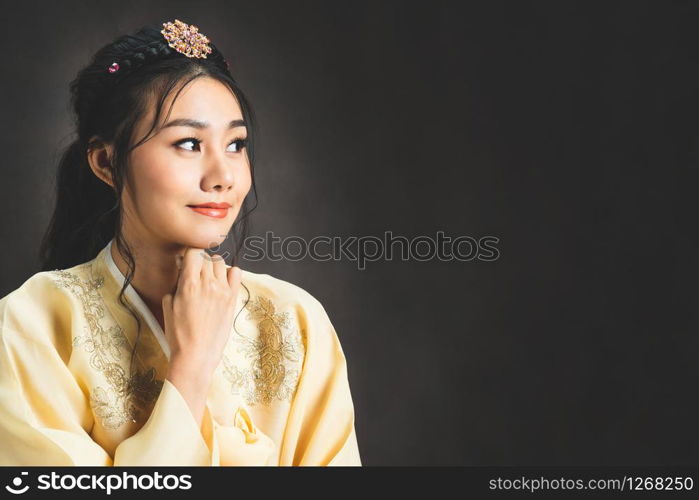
187,164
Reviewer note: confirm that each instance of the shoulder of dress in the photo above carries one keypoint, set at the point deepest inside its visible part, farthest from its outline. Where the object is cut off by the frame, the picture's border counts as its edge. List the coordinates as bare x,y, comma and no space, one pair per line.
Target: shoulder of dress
55,281
33,286
42,302
278,290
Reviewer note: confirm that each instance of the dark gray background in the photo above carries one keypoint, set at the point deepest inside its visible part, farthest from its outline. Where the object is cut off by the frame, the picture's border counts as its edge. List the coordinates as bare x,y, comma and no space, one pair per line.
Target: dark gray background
566,129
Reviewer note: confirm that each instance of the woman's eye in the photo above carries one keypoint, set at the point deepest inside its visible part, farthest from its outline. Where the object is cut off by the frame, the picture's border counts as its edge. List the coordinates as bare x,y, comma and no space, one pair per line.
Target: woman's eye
241,143
183,141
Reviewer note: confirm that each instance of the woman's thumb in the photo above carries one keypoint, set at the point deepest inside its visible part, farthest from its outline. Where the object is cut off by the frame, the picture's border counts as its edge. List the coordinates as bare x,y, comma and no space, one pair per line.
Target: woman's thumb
167,302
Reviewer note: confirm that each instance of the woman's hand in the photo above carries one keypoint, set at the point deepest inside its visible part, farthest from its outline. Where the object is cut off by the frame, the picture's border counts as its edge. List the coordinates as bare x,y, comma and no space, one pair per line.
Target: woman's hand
198,318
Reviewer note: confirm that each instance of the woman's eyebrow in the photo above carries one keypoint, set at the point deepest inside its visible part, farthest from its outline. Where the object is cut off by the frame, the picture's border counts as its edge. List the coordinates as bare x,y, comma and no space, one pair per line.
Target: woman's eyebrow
188,122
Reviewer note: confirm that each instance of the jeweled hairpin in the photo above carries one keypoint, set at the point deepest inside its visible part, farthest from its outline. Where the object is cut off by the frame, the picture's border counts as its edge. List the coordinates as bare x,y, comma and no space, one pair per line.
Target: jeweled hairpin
184,38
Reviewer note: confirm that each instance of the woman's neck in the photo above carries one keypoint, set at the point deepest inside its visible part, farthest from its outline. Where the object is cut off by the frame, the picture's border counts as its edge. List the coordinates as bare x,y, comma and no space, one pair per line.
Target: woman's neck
155,275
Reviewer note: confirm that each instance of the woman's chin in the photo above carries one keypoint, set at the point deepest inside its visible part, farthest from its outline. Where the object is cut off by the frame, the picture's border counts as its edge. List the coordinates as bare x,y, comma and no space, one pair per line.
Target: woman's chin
211,241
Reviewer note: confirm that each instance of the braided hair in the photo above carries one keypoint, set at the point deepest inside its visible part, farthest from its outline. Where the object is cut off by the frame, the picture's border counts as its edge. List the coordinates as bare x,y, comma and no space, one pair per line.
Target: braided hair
95,84
106,107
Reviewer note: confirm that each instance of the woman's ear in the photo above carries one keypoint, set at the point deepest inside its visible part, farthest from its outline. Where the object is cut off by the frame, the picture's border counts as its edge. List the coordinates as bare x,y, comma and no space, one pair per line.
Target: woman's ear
99,156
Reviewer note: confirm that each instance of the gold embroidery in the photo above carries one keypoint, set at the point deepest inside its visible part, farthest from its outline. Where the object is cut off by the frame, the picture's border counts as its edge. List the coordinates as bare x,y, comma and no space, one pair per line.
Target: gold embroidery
269,376
126,397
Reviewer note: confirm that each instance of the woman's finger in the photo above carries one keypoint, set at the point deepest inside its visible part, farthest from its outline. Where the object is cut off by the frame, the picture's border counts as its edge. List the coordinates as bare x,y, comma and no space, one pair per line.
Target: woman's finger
207,271
219,267
191,264
234,274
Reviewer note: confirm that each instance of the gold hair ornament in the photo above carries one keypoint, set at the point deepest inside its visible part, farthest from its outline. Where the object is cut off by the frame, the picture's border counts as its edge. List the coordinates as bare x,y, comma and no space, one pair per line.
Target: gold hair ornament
186,39
183,38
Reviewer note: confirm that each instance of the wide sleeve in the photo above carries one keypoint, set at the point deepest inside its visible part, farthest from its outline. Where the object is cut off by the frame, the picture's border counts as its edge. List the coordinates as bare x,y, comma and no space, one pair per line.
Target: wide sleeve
320,429
45,419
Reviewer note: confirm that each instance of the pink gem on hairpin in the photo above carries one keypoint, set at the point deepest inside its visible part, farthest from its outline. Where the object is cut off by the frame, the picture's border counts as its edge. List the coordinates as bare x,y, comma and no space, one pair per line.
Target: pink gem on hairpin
114,67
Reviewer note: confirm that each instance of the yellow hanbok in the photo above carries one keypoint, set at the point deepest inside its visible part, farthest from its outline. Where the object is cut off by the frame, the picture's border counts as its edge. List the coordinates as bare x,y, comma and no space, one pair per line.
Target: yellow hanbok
280,395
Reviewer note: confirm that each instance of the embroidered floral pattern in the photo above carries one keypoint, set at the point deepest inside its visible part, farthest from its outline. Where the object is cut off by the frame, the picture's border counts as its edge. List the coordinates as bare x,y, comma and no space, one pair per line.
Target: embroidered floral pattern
274,355
125,397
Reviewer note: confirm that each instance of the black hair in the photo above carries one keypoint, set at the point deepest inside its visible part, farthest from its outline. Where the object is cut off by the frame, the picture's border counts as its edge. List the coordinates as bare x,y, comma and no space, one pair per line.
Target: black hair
106,106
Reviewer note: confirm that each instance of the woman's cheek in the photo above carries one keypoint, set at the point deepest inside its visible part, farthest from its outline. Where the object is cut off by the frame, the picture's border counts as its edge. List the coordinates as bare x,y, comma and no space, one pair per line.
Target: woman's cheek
163,194
243,184
172,183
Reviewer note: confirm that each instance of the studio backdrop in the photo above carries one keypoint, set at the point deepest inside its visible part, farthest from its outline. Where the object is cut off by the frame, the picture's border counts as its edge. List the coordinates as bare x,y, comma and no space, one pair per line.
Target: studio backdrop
494,202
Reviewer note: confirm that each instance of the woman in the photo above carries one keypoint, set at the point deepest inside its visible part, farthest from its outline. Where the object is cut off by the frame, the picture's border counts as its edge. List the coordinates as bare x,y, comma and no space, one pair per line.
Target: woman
133,345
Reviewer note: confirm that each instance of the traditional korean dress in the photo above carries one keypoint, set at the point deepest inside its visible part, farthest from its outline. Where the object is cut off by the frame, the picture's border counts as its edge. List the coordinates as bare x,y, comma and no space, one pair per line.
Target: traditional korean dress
280,395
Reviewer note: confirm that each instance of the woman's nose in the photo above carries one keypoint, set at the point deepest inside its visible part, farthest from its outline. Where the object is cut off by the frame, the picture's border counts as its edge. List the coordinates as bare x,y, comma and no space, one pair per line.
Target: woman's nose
218,174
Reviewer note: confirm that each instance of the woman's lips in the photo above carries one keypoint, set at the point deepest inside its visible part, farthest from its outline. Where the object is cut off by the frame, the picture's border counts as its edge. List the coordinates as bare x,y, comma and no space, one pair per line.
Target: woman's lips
218,213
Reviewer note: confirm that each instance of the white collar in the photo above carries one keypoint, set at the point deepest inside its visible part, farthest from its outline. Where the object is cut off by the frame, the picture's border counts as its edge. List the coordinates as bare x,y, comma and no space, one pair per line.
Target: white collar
137,301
